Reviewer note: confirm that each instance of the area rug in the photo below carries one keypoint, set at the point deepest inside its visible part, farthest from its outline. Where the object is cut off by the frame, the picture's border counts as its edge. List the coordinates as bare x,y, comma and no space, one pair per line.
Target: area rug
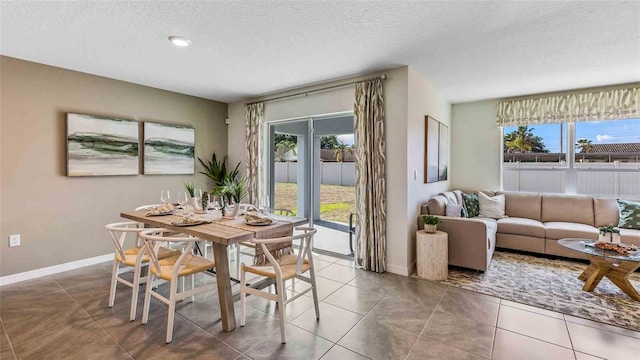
551,284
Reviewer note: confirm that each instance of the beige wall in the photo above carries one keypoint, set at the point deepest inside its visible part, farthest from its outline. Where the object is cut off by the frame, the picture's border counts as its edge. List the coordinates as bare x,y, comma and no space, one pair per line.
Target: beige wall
424,99
475,146
408,98
61,219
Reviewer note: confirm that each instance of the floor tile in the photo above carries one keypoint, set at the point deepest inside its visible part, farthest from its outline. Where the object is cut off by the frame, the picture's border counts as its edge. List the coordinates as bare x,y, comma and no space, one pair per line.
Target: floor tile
601,326
472,336
473,294
28,289
355,299
534,325
401,313
300,345
377,340
76,277
292,309
419,292
583,356
469,306
337,352
371,280
323,257
346,262
258,326
601,343
200,345
333,324
427,349
325,286
319,264
509,346
339,273
533,309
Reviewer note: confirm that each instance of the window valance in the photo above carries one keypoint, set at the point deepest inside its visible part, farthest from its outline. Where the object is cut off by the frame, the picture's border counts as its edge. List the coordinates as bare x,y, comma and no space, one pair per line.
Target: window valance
620,103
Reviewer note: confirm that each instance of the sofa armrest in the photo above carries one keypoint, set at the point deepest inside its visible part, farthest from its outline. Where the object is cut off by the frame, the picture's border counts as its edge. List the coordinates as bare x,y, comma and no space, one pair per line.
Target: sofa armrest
470,241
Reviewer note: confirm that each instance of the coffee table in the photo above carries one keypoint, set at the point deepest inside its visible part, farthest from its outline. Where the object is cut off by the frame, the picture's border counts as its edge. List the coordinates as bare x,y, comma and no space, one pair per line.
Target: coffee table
614,266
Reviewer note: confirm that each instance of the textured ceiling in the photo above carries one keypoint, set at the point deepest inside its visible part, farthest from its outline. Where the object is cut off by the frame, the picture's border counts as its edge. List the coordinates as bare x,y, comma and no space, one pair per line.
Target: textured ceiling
469,50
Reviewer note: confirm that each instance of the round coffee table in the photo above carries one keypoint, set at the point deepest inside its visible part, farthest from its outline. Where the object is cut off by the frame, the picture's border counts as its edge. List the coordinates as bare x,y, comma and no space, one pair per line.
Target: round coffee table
614,266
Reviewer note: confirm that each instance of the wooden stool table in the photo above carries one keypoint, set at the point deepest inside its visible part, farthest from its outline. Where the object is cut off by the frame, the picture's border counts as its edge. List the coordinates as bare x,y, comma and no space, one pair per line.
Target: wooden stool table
432,255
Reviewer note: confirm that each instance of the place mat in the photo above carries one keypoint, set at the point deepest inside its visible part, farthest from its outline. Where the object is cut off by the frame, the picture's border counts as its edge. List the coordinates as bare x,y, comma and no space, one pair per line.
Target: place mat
276,230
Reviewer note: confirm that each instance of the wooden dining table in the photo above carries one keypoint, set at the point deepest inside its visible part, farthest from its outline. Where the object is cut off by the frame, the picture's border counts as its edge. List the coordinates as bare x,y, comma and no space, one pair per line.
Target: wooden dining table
221,234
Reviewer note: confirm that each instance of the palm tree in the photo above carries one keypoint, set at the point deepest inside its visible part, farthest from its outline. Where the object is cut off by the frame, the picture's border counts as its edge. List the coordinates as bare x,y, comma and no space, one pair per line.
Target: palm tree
341,148
523,140
584,145
518,145
282,150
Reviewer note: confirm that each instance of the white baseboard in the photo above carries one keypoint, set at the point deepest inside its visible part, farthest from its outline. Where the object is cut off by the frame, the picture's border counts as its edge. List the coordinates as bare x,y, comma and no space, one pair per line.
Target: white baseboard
50,270
395,269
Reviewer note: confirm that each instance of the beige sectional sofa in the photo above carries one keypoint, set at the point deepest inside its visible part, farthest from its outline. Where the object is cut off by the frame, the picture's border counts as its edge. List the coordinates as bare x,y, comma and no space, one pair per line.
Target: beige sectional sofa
534,223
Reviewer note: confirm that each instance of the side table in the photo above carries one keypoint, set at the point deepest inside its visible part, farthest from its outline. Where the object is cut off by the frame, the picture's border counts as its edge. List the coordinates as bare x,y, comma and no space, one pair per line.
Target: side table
432,255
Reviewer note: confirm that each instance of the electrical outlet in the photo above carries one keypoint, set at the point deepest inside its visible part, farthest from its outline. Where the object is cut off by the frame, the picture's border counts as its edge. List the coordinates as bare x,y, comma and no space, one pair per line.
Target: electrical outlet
14,240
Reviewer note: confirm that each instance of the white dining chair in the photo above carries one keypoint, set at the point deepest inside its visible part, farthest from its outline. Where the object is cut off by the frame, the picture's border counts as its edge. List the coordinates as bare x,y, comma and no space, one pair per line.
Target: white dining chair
172,269
135,257
287,267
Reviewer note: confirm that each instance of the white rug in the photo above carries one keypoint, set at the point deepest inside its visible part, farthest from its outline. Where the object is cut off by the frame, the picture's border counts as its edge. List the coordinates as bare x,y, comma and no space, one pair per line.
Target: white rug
553,285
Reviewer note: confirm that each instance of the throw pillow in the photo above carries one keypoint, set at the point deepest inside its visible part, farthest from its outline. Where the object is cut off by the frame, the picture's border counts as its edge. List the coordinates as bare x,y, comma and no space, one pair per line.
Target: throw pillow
471,204
455,210
491,207
629,214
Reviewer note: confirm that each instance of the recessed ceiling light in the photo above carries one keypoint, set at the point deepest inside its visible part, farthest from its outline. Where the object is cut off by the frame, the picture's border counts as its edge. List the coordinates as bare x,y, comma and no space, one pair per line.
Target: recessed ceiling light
179,41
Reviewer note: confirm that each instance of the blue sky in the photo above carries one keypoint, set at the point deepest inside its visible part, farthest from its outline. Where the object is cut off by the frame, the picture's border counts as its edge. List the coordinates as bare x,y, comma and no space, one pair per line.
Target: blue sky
599,132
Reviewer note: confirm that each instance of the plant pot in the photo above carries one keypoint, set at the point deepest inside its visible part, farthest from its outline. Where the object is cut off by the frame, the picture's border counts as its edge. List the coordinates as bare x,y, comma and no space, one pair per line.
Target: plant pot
233,211
431,229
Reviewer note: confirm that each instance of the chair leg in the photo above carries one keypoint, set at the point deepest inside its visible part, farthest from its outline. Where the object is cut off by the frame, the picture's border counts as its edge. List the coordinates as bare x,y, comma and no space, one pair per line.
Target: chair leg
172,309
147,298
281,308
114,282
238,259
314,290
243,300
193,286
134,293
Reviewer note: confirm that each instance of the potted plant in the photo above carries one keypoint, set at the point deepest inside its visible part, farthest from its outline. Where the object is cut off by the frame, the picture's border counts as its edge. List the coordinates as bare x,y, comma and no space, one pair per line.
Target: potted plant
232,192
217,171
430,223
609,234
192,196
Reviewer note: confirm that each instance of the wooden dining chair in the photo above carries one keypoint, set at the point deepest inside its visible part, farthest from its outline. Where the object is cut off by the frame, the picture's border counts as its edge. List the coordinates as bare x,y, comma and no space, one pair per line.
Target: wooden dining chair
135,257
172,269
287,267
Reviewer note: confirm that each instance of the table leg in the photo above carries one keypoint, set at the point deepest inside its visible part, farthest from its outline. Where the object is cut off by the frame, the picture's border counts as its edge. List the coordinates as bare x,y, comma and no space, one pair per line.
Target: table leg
585,274
594,278
620,276
227,312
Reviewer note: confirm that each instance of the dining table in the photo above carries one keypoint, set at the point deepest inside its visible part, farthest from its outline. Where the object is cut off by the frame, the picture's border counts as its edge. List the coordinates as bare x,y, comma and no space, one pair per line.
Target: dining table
221,233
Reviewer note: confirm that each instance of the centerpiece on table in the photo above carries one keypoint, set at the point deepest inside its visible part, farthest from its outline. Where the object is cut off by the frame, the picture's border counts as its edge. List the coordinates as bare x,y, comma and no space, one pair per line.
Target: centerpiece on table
232,192
193,201
609,234
430,223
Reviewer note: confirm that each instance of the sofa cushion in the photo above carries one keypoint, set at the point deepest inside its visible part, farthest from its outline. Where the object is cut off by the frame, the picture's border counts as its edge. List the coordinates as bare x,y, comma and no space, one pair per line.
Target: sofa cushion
491,206
492,224
629,214
560,230
630,236
437,205
455,210
471,204
606,212
567,208
521,226
522,204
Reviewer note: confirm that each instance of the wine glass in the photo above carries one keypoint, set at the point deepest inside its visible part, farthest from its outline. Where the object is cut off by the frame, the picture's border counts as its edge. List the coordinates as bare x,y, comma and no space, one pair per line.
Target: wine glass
264,205
216,209
165,196
183,198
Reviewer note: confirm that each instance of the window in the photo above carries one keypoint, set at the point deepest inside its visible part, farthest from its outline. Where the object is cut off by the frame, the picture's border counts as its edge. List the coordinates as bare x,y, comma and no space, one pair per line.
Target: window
602,158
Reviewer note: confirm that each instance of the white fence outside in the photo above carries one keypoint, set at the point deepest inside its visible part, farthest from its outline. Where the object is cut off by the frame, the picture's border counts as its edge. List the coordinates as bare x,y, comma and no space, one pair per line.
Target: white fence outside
331,173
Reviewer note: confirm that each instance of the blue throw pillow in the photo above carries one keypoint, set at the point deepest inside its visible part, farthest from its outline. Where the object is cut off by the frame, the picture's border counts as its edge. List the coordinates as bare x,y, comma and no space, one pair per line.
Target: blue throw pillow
629,214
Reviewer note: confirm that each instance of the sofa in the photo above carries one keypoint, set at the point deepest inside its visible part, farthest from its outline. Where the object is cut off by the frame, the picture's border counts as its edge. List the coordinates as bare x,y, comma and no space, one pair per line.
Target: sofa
534,223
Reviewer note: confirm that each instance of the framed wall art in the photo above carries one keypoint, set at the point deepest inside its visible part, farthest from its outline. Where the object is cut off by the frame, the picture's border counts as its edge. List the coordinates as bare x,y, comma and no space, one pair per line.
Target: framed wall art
168,149
101,146
436,157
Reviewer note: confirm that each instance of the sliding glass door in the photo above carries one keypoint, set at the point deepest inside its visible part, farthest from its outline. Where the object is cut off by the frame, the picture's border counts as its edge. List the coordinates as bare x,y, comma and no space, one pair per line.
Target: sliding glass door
312,173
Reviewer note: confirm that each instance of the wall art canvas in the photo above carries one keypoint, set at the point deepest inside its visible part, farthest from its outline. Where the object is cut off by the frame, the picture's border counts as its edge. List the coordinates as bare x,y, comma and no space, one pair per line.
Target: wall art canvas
100,145
168,149
436,157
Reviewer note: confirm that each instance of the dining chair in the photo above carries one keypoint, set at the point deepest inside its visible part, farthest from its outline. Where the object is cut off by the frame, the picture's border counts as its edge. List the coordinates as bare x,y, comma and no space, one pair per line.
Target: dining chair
252,245
135,257
172,269
287,267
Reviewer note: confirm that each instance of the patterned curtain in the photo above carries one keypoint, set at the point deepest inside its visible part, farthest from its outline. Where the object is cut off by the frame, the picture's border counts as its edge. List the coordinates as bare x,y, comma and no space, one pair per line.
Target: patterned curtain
371,252
254,117
621,103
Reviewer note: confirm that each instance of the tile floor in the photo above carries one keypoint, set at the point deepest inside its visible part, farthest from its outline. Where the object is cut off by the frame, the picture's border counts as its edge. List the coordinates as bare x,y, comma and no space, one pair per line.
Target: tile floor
363,315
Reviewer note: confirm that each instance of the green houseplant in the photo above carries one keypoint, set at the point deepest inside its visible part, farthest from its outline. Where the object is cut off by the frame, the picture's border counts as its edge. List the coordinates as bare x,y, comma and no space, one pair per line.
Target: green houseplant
217,171
430,223
609,234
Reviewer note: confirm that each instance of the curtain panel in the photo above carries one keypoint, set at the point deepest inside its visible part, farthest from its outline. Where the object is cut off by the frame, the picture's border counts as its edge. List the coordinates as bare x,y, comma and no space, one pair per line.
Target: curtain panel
371,248
622,103
254,120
